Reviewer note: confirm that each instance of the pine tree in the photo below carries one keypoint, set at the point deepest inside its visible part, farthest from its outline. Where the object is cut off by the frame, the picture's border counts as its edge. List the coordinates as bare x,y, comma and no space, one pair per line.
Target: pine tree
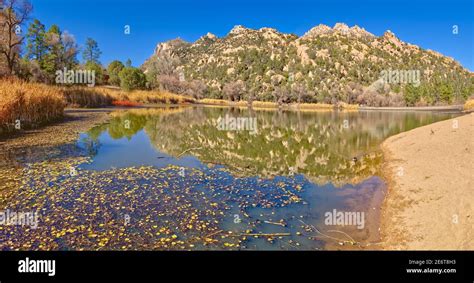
51,61
91,51
36,43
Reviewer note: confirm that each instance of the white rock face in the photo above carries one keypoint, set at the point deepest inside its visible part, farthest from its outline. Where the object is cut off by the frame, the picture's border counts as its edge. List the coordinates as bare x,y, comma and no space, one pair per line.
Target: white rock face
168,46
339,28
342,28
238,29
390,36
211,36
360,32
317,30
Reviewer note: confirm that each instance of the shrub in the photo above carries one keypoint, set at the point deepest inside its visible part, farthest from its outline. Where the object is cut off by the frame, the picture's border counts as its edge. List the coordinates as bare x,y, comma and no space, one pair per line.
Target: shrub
469,105
170,83
196,89
113,71
446,93
97,68
132,78
234,90
412,95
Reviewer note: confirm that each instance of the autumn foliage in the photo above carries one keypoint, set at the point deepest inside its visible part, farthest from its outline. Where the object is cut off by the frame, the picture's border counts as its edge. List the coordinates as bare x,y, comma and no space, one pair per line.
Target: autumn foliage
28,105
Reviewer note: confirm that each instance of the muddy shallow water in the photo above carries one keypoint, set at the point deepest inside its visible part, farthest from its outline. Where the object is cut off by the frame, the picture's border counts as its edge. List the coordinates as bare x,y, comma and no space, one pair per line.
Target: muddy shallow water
171,178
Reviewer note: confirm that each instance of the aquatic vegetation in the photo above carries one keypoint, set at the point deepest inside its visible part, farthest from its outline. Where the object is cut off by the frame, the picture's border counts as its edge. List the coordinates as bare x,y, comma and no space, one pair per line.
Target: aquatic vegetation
28,105
134,208
247,192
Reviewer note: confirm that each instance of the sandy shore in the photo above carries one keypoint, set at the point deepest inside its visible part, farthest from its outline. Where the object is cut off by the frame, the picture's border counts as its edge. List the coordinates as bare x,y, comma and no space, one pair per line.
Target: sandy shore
429,204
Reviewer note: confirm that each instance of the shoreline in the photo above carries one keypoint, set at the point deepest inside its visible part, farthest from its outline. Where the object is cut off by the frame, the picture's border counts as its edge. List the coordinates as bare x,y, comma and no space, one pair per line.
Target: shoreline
430,187
389,210
457,108
58,133
70,114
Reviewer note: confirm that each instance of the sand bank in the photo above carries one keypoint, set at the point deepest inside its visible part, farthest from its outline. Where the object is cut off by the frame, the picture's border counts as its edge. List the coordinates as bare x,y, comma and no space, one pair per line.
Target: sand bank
430,173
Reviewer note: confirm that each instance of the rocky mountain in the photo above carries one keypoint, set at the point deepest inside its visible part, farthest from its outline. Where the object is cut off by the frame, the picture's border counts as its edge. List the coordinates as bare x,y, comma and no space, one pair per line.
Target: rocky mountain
326,64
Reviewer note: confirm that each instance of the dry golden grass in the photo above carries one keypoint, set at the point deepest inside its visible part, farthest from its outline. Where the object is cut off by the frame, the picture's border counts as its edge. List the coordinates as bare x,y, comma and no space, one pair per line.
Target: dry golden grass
77,96
241,103
268,104
30,103
103,96
469,105
314,106
162,111
212,101
145,96
346,106
263,104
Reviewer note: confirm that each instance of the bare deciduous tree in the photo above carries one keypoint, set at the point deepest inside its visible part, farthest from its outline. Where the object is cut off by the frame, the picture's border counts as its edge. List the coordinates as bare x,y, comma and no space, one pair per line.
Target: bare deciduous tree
300,92
251,97
196,89
234,90
280,94
13,15
170,83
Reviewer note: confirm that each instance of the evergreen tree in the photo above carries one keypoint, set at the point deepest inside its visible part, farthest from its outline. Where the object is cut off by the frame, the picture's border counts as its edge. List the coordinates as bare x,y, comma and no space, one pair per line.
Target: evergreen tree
97,68
54,50
36,43
412,95
113,70
446,92
52,61
91,51
132,78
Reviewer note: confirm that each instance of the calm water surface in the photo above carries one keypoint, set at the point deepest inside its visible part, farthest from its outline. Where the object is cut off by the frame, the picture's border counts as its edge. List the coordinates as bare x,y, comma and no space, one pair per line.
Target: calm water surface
329,160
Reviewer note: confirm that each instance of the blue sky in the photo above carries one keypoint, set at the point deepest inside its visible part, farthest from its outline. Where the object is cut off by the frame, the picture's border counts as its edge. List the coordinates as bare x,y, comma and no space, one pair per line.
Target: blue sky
428,24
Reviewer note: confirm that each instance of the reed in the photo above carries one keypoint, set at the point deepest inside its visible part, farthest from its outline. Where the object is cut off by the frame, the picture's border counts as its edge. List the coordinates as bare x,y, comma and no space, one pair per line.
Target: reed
28,105
146,96
269,104
87,97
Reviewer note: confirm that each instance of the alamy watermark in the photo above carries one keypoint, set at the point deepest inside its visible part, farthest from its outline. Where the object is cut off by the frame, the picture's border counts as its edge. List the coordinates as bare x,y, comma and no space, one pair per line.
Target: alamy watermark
229,123
28,265
66,76
20,218
401,77
345,218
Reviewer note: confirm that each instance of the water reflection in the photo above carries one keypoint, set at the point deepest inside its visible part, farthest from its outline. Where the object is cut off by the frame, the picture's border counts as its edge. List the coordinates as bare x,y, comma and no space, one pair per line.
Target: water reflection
336,147
182,183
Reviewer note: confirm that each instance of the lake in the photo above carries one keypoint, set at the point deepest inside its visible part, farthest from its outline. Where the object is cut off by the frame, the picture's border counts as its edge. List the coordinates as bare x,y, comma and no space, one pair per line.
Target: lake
213,178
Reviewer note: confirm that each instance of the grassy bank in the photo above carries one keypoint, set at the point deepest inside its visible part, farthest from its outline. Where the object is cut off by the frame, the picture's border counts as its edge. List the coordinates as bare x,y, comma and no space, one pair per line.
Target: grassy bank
102,96
267,104
28,105
34,104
